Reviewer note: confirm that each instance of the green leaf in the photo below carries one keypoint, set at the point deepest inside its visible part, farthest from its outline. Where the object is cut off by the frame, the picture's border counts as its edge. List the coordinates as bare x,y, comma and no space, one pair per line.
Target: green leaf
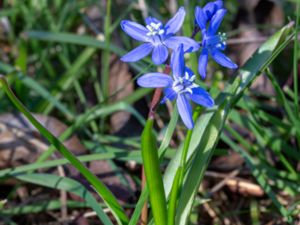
209,126
105,193
153,175
69,185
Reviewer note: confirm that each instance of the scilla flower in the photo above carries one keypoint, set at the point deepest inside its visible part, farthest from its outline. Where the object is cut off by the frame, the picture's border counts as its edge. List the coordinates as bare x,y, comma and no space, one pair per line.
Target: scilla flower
213,43
157,37
181,87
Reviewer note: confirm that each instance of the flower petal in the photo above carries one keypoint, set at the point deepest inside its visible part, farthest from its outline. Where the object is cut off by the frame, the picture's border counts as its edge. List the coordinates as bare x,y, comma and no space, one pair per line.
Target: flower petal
189,45
202,97
175,23
223,60
189,71
200,18
155,80
138,53
216,21
185,111
177,62
202,63
135,30
170,94
211,8
159,54
150,20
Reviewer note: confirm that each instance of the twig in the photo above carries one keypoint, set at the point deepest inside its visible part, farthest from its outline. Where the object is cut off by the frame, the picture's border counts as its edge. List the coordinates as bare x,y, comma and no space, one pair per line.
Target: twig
144,216
156,96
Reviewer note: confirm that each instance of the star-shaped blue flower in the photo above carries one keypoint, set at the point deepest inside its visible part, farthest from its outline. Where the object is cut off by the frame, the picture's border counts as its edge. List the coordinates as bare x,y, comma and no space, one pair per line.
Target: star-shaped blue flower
157,37
181,87
213,43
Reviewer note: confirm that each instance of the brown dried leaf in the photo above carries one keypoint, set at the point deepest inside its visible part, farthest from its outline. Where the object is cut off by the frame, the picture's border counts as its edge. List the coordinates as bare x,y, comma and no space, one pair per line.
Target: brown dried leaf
244,187
20,143
120,86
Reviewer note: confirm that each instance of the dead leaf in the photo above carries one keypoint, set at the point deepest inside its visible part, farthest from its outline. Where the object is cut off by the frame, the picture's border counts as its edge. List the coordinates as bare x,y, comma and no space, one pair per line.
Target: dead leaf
120,86
21,143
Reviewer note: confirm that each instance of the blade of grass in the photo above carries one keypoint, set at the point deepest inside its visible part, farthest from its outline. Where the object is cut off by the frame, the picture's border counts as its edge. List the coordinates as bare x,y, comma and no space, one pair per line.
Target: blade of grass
112,154
104,192
256,171
203,143
69,185
68,78
79,40
41,207
295,62
37,87
106,52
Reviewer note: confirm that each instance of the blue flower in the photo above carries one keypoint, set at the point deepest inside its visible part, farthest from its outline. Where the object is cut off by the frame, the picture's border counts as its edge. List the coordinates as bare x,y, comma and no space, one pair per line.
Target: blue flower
213,43
157,38
181,87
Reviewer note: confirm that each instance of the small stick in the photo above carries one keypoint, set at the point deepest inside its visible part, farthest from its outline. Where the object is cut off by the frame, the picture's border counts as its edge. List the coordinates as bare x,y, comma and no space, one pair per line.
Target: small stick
156,96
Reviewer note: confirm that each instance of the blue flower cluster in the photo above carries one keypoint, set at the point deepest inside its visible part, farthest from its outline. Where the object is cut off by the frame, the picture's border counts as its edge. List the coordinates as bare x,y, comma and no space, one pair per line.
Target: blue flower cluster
159,38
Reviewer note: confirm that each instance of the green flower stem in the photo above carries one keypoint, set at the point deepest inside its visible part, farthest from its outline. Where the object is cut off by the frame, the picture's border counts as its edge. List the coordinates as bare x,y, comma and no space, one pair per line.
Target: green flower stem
153,175
174,198
179,177
103,191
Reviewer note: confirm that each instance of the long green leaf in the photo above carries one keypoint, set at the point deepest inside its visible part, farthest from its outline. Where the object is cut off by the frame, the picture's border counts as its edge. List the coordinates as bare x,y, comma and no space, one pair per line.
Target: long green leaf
69,185
153,175
209,126
105,193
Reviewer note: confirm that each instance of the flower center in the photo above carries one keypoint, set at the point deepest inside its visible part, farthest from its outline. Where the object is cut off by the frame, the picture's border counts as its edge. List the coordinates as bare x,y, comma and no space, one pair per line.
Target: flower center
184,84
154,29
218,41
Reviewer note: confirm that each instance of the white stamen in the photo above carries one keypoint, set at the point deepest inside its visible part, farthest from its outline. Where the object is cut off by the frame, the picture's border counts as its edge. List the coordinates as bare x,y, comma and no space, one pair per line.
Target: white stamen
154,29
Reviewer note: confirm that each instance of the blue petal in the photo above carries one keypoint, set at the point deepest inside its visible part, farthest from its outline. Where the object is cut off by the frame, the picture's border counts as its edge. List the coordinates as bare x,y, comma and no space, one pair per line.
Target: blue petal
135,30
223,60
174,24
189,45
159,54
177,62
138,53
155,80
185,111
211,8
189,71
216,21
202,63
202,97
200,18
170,94
149,20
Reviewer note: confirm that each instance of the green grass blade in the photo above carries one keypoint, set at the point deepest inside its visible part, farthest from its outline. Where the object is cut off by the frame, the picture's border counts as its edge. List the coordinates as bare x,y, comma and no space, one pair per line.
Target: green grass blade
258,174
69,185
105,193
105,57
112,154
69,77
42,206
79,40
37,87
295,62
208,127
